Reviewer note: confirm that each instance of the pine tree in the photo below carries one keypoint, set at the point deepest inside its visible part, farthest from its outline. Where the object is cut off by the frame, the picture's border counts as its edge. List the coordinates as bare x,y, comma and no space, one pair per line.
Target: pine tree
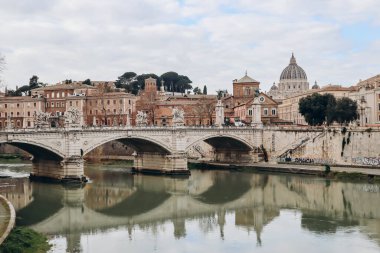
205,90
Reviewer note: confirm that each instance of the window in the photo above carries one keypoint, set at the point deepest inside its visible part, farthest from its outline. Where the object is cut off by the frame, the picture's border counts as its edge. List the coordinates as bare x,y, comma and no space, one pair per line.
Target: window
29,124
57,104
18,105
18,113
47,95
250,112
90,103
108,102
35,104
114,111
76,103
114,102
273,111
71,103
57,94
379,106
11,114
63,94
29,114
96,112
90,111
5,105
52,95
62,104
266,111
47,104
52,104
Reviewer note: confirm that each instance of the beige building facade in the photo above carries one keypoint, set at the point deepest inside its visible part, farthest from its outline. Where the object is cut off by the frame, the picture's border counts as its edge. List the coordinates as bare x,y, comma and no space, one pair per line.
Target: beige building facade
367,96
289,109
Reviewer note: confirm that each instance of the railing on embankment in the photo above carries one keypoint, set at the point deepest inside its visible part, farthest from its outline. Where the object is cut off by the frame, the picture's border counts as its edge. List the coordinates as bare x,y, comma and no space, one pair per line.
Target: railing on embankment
7,218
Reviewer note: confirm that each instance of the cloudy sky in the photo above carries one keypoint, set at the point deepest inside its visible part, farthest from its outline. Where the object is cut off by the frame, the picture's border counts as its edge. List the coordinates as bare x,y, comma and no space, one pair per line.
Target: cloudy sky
211,41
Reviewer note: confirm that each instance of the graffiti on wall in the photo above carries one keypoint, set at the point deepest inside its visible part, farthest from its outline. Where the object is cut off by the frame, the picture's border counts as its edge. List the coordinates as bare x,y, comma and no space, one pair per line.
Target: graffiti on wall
307,160
373,161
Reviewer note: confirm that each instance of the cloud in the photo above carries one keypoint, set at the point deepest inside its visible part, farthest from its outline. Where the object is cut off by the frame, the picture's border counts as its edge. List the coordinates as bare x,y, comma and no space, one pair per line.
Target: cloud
212,42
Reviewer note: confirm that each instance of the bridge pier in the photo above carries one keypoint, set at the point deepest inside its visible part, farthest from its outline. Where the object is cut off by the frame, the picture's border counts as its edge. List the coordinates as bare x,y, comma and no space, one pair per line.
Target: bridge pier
159,163
68,170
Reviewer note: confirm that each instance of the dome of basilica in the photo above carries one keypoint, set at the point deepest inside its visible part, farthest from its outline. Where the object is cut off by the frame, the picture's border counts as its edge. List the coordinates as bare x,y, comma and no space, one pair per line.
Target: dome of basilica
293,71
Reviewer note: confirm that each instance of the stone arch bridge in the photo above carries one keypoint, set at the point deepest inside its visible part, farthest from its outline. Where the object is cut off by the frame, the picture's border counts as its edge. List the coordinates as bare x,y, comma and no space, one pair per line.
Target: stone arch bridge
58,153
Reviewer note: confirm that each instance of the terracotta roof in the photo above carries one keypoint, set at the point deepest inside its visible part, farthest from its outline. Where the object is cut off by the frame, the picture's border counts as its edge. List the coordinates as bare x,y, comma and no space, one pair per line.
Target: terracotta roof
63,86
246,79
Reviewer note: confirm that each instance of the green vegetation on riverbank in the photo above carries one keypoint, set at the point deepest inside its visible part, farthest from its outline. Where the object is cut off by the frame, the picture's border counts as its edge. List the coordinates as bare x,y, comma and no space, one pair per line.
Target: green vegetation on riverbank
12,158
25,240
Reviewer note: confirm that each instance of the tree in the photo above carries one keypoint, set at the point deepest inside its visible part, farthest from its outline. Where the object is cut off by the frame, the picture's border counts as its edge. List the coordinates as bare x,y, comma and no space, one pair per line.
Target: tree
205,90
346,110
133,83
317,108
124,81
197,91
33,82
87,81
68,81
175,82
204,108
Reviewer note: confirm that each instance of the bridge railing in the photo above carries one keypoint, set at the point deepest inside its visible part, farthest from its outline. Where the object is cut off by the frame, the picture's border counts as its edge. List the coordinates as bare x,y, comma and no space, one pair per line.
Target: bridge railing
123,127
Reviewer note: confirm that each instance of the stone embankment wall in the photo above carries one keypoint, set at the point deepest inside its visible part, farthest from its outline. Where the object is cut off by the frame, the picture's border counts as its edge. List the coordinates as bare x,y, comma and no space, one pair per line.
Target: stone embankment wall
336,146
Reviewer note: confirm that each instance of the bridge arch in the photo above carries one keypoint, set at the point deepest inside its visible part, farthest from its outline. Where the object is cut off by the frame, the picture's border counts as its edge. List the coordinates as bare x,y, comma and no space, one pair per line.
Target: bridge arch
38,150
138,143
217,140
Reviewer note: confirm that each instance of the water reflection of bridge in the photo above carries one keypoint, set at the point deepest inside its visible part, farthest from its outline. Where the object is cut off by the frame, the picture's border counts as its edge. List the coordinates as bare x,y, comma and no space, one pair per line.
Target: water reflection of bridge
120,199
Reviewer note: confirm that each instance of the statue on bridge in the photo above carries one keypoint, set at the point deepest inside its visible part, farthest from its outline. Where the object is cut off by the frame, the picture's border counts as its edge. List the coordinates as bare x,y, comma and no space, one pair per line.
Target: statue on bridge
72,117
42,119
141,119
178,117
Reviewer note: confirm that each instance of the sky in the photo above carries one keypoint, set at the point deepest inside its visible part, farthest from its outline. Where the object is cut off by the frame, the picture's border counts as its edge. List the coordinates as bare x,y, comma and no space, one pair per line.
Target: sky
210,41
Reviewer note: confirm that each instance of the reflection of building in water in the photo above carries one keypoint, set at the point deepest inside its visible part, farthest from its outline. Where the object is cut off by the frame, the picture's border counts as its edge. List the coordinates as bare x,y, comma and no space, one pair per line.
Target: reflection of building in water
105,196
17,191
157,201
255,218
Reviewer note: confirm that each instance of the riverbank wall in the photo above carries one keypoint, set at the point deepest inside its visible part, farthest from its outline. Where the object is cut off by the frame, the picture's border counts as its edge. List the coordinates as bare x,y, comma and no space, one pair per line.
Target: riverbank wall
339,146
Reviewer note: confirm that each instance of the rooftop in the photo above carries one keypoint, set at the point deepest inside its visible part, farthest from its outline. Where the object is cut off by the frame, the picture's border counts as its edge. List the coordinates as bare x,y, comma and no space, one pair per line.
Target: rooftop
246,79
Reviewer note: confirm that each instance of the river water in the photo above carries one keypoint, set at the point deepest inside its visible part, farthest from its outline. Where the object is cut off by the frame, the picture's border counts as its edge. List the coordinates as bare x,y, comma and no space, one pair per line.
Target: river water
211,211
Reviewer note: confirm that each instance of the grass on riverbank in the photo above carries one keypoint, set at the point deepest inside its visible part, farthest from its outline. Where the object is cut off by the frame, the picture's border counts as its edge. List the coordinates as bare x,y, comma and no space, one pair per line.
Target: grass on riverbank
25,240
